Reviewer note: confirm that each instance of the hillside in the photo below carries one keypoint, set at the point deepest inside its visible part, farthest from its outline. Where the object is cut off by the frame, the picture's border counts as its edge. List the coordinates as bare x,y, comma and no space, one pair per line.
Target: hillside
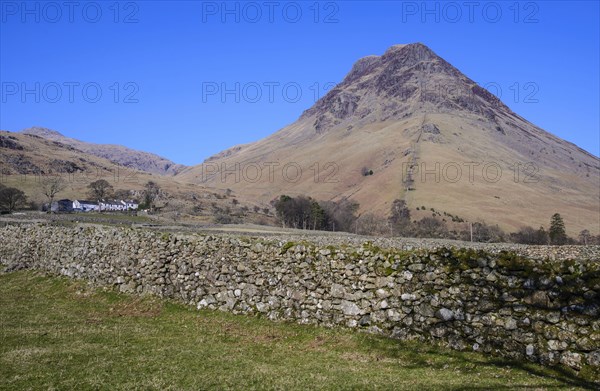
25,159
431,136
139,160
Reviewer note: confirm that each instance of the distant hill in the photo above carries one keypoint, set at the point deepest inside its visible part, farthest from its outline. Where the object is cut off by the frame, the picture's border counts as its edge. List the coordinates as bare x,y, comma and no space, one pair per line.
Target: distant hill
26,159
143,161
29,154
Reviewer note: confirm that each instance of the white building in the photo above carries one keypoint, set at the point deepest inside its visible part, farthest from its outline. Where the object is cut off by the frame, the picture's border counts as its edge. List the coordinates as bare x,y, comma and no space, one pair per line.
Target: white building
130,205
117,205
85,206
111,205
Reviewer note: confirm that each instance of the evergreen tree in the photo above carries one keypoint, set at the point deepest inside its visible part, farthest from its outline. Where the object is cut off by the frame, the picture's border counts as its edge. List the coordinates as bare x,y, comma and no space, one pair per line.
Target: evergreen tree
557,231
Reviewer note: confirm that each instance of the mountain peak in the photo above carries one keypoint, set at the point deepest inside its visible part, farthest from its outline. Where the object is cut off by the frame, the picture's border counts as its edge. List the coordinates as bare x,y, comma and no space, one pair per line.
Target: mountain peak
406,79
42,132
407,47
413,52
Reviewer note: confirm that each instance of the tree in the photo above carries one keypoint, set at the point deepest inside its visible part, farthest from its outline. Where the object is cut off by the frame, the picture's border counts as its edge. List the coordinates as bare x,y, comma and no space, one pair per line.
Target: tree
295,212
122,194
529,235
11,198
372,224
100,189
283,209
487,233
525,235
557,231
341,215
318,217
584,237
151,191
51,186
542,236
430,227
400,217
306,213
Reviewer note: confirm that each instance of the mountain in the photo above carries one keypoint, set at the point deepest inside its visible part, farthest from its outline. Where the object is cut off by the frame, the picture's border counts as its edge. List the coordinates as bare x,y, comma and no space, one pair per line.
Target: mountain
26,159
23,154
119,154
431,136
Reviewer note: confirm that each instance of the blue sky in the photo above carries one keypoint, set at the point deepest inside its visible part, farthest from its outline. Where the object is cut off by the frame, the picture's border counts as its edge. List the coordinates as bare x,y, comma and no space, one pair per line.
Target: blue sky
162,76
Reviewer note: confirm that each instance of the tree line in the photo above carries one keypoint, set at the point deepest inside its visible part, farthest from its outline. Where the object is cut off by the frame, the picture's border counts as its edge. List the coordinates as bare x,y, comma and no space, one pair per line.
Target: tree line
482,232
307,213
304,212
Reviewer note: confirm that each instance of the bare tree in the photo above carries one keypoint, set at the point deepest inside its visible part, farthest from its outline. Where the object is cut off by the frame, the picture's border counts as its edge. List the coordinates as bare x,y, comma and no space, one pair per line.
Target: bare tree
122,194
399,219
100,189
584,237
51,186
151,191
529,235
372,224
430,227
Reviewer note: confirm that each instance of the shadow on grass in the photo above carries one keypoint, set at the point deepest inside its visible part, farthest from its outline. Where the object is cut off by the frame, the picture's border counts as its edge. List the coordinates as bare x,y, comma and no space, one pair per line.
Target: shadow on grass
424,354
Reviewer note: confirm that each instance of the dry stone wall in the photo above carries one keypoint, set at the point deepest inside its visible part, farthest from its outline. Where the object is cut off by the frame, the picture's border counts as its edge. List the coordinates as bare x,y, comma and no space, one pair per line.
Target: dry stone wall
544,311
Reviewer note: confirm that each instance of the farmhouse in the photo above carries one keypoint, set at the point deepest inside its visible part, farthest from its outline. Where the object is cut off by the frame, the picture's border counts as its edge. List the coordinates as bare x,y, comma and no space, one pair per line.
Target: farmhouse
85,206
65,205
117,205
131,205
111,205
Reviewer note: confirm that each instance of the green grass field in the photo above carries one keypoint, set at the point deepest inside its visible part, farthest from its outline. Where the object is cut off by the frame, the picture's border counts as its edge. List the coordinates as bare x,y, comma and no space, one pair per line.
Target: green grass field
61,334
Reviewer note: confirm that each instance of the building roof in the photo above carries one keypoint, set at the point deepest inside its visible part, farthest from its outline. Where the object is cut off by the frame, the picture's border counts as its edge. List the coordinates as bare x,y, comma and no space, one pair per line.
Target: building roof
87,202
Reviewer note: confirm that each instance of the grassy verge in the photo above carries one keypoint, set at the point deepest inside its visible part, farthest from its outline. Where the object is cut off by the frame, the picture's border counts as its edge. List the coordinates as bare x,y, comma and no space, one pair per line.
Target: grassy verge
61,334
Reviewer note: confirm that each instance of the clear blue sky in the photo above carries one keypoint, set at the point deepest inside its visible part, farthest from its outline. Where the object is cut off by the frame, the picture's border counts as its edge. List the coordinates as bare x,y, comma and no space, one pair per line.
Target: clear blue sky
160,75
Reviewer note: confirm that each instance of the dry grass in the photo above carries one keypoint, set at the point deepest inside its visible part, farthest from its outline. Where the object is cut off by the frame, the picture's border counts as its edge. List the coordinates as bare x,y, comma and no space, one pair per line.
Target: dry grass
559,185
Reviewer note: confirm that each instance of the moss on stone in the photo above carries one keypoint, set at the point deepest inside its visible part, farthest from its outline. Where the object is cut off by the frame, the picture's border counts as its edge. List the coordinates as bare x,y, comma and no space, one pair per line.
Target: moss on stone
388,271
286,247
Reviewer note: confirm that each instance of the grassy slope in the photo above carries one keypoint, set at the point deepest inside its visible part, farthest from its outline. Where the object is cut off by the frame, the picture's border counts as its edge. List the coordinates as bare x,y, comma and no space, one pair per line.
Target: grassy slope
38,152
61,334
552,176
